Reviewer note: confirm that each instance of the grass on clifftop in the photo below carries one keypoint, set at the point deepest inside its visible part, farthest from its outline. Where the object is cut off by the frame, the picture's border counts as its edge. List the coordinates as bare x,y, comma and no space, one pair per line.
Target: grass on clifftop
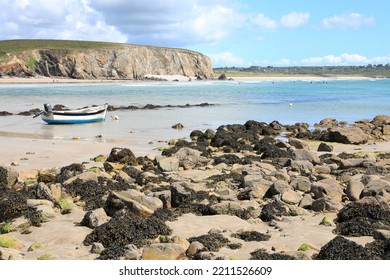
8,47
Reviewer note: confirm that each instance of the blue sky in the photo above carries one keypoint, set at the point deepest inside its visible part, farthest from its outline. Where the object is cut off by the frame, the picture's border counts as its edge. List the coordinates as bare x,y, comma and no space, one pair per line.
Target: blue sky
230,32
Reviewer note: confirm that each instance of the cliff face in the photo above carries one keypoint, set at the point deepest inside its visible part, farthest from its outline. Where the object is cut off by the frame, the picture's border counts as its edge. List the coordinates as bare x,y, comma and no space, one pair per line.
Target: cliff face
126,62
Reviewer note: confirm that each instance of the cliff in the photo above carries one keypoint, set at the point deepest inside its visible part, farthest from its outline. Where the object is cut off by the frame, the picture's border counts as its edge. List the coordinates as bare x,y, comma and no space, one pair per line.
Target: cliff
119,61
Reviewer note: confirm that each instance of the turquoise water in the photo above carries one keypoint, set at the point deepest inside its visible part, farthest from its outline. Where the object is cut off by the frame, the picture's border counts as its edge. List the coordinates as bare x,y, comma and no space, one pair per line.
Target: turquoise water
235,102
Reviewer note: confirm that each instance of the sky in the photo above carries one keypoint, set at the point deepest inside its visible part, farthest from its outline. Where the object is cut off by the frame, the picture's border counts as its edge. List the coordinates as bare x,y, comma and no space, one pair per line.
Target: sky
231,32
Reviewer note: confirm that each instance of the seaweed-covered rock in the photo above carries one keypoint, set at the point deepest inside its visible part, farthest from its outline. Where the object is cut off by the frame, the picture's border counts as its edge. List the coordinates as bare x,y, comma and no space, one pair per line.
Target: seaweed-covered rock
12,205
122,155
340,248
262,254
69,171
126,228
251,236
362,219
274,209
211,242
127,252
267,149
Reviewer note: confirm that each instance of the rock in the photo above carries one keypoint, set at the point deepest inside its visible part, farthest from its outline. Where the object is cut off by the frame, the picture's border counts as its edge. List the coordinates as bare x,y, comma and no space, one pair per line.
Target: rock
386,129
130,253
95,218
256,186
163,251
306,201
354,190
44,192
137,202
301,184
188,158
84,177
222,77
326,204
9,241
381,234
8,177
299,144
178,126
122,155
147,177
180,194
19,224
194,248
278,187
243,209
304,155
328,122
324,147
301,166
322,169
376,187
10,254
351,163
168,164
329,188
347,135
97,248
291,197
111,166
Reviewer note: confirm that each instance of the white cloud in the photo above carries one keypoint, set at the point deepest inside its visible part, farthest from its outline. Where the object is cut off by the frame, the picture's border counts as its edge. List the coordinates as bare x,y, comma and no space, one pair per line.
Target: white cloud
213,23
225,59
347,21
264,22
294,19
170,22
55,19
344,59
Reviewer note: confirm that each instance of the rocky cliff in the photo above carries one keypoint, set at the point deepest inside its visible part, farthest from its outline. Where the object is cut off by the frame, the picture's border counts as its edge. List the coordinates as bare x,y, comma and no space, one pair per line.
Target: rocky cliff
121,62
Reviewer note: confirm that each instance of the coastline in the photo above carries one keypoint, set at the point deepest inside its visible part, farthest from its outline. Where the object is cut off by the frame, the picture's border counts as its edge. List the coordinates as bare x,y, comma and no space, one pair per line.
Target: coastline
170,78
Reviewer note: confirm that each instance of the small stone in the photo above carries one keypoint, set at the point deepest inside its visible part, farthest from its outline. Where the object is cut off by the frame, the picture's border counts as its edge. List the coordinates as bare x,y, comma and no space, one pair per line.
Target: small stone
178,126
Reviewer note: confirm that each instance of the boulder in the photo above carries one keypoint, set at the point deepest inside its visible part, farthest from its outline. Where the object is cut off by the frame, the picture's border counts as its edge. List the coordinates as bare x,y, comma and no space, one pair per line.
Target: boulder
137,202
256,186
347,135
163,251
301,184
299,144
168,164
8,177
328,122
327,188
188,158
304,155
95,218
122,155
291,197
354,190
324,147
326,204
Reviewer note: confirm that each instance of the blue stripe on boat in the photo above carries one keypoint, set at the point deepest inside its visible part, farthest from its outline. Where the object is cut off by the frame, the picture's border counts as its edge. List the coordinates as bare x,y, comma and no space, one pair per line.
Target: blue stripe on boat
73,121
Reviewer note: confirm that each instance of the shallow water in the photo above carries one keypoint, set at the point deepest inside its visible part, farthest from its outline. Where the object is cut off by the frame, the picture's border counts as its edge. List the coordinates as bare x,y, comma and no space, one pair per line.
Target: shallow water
235,102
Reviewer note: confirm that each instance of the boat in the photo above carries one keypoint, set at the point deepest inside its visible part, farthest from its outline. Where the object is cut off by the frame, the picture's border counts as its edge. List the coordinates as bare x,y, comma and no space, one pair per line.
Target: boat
95,113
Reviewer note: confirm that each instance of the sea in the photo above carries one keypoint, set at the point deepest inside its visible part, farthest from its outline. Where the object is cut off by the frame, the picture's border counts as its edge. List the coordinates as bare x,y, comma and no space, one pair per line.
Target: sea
231,102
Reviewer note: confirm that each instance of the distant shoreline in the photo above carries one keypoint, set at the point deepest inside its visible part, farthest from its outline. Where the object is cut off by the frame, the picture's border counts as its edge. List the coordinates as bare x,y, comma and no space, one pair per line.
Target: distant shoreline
171,78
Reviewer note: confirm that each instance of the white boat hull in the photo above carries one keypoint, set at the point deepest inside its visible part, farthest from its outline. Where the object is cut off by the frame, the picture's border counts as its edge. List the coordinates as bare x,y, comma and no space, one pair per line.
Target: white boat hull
85,115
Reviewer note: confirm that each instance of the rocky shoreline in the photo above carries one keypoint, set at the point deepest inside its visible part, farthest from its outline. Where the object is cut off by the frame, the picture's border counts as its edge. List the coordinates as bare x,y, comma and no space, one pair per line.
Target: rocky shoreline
238,192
